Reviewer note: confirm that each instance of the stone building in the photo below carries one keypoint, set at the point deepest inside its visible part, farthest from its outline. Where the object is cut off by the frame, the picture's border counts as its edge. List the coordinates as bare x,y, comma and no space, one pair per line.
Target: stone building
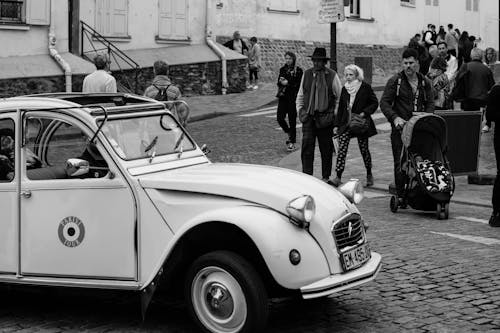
47,48
375,28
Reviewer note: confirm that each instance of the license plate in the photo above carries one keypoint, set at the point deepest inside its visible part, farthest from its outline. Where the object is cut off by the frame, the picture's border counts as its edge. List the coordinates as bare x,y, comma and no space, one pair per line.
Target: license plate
356,257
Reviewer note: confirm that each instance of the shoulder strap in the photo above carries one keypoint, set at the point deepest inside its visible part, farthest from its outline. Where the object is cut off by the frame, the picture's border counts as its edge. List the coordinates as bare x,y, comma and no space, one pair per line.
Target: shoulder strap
398,86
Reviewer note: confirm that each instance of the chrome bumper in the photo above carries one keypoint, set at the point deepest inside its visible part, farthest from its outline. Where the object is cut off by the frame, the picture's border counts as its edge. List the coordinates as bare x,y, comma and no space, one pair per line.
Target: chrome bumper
339,282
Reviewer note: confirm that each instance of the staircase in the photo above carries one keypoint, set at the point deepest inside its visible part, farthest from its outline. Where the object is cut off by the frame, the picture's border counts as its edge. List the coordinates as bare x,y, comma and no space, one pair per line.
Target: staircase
125,69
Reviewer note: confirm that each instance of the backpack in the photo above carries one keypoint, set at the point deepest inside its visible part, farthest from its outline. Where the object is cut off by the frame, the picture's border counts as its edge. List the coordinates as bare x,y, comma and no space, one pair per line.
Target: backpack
161,95
421,80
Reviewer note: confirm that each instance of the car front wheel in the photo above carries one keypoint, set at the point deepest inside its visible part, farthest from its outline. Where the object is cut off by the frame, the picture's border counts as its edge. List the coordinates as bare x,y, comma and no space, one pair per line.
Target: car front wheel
224,293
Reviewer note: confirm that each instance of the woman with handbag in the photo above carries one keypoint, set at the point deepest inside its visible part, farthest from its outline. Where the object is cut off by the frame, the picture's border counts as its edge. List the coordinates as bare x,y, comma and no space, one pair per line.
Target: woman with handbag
356,105
288,86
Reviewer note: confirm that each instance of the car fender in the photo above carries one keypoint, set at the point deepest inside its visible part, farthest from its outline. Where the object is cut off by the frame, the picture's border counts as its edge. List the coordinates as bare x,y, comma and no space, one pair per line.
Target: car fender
273,235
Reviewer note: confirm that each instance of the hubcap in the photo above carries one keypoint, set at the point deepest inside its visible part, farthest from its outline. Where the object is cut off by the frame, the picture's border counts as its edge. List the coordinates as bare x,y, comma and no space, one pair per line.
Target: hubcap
218,300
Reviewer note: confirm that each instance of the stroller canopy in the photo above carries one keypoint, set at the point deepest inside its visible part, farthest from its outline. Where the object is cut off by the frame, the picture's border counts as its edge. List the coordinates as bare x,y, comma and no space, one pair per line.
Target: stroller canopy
423,129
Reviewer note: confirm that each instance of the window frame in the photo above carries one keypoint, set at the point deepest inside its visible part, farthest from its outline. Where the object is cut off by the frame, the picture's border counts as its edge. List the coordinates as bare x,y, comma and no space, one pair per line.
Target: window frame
21,19
407,3
273,7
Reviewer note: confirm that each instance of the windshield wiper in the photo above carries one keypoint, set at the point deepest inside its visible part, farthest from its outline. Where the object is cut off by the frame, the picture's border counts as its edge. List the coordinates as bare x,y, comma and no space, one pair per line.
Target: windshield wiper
150,147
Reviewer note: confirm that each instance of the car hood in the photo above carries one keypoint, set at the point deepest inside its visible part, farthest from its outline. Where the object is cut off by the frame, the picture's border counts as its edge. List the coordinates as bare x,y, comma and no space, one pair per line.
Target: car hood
267,186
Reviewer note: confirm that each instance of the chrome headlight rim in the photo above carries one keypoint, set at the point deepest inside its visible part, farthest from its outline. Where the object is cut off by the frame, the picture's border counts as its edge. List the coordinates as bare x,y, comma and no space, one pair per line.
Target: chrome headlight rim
353,190
301,210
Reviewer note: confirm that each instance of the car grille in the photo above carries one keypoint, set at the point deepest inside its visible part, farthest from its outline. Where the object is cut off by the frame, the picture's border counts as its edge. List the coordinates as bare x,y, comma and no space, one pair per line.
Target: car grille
349,232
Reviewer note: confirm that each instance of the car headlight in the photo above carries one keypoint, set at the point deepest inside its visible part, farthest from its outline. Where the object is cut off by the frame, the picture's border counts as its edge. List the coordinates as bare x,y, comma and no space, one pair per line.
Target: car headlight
353,191
301,210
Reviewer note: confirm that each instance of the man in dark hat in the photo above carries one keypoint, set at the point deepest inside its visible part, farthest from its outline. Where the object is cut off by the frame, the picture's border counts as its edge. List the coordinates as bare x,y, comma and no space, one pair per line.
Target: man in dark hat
317,103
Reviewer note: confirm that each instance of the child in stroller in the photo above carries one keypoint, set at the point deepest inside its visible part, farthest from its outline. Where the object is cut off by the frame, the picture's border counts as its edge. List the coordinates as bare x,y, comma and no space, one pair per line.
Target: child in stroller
429,184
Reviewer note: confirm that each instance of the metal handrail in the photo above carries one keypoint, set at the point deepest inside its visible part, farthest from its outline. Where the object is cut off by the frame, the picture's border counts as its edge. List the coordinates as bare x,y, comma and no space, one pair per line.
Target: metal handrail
115,55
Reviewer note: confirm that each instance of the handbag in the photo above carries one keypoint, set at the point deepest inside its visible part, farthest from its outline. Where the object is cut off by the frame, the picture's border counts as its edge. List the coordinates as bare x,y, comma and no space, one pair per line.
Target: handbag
358,125
281,91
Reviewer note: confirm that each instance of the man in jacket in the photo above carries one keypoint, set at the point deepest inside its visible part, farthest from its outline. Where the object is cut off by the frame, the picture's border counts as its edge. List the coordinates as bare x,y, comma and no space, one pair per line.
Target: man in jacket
237,44
163,89
317,102
478,81
405,93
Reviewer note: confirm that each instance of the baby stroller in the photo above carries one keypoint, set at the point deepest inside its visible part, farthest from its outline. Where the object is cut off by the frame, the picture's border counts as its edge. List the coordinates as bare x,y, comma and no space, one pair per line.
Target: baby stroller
429,183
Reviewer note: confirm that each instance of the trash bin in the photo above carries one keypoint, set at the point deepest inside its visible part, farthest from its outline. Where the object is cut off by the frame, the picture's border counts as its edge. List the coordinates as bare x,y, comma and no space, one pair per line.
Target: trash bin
464,137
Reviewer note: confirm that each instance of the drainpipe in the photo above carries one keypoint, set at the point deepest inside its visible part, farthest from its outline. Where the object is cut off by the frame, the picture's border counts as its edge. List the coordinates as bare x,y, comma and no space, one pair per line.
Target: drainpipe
214,47
53,51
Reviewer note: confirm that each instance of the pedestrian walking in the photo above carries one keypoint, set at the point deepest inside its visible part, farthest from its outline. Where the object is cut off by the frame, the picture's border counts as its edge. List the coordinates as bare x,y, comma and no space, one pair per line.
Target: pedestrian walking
405,93
317,102
162,89
254,63
100,81
490,57
424,58
451,61
356,105
464,48
289,79
478,80
430,35
441,84
441,35
451,39
493,114
237,44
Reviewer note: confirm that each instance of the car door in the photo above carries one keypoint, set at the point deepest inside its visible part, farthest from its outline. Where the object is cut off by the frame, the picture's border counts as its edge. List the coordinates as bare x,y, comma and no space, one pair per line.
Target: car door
8,197
81,226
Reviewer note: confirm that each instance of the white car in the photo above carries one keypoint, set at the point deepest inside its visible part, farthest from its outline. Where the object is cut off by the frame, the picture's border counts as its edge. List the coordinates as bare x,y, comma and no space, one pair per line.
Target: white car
109,191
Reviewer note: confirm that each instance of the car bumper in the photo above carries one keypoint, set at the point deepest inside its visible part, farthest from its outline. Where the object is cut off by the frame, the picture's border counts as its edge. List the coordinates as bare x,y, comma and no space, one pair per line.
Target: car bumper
339,282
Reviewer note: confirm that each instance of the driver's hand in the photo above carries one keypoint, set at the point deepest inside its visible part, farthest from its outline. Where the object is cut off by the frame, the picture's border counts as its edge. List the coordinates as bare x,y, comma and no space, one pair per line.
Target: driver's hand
399,122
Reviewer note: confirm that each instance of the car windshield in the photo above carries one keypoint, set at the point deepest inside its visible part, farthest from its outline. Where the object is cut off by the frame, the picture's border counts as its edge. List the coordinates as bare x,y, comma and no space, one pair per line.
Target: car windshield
146,137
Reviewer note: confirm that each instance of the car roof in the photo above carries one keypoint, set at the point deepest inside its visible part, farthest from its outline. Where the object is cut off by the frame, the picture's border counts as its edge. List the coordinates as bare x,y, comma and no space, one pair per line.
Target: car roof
94,104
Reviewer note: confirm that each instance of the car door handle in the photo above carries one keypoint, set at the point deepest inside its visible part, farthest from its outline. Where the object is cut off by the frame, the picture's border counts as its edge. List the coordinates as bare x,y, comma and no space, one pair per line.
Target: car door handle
26,194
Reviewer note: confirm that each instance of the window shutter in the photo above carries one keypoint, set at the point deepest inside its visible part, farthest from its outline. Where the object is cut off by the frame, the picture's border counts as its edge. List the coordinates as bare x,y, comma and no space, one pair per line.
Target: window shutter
120,18
38,12
180,20
165,19
468,5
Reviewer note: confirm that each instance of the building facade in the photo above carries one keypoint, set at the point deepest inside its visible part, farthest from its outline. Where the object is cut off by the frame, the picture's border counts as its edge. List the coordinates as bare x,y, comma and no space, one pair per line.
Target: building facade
375,28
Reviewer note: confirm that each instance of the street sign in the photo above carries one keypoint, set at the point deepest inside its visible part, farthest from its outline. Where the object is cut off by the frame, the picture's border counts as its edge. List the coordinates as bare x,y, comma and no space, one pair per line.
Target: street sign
331,11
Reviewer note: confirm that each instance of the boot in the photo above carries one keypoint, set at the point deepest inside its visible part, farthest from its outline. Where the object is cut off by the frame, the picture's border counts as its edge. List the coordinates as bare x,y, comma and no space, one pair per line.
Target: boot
494,220
369,180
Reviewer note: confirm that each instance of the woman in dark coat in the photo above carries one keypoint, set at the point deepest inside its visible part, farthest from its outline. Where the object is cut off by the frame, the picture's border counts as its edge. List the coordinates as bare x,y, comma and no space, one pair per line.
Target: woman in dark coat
356,97
493,114
289,80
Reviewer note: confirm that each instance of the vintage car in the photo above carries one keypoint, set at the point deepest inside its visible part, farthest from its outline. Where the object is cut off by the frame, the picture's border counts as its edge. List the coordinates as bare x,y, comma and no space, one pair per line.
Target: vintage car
109,191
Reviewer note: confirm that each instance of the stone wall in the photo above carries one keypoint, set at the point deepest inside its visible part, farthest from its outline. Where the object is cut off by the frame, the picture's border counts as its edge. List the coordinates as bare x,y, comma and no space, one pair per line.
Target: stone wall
386,60
192,79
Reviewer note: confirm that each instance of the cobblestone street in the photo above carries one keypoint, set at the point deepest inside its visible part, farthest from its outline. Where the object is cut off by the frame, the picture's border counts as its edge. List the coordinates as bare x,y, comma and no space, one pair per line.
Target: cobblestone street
437,276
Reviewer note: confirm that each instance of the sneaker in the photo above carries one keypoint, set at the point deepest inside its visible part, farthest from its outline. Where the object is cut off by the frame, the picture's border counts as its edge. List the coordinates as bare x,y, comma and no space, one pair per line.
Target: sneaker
494,220
369,180
255,87
485,129
250,87
290,146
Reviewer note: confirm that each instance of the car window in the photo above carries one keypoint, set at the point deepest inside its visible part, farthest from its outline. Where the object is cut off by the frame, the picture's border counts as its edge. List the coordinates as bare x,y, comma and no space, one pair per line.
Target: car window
7,149
51,143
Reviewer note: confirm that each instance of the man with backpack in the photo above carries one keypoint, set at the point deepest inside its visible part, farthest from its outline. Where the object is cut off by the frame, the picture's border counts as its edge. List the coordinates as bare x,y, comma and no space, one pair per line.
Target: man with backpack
163,90
405,93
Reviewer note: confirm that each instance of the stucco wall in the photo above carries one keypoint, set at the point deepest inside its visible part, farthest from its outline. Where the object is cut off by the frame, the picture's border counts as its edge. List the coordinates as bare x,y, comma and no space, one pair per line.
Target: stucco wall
383,22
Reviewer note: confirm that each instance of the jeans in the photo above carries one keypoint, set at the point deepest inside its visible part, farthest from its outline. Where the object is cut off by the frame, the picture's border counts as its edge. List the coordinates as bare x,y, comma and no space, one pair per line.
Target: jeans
397,147
324,135
286,107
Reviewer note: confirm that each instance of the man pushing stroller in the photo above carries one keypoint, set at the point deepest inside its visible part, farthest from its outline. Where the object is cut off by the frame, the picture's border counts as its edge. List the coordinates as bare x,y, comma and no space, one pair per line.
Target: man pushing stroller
405,93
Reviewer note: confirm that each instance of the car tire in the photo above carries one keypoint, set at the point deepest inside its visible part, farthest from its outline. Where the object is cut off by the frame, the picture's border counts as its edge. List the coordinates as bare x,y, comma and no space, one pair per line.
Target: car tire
224,293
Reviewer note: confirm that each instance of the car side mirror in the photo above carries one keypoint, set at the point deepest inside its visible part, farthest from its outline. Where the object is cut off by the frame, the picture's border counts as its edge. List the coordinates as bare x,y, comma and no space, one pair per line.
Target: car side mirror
204,149
76,167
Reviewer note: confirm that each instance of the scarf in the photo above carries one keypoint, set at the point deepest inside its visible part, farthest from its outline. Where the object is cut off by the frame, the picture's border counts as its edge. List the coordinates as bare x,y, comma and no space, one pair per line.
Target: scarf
319,93
352,88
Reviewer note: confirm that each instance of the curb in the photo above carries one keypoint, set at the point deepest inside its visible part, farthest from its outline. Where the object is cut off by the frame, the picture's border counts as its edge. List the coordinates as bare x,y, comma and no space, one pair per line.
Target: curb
481,179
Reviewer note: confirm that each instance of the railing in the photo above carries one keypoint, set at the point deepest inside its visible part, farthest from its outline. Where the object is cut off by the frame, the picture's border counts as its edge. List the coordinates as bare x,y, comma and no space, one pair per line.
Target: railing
93,43
11,11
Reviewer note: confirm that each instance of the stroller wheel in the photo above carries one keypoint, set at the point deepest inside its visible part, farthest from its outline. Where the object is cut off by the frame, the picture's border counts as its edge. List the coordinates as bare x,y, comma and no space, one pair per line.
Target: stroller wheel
442,211
394,204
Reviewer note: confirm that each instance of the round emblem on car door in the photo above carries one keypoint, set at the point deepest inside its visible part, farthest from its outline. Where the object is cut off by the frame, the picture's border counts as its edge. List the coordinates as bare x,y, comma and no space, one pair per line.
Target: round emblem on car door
71,231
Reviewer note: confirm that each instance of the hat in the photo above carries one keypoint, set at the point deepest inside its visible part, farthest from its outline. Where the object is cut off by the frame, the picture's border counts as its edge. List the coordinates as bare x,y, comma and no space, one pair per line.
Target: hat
319,54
